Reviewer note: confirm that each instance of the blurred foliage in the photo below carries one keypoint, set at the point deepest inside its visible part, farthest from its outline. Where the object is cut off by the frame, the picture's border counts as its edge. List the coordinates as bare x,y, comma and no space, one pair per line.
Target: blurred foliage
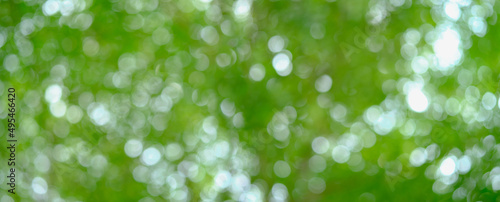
190,100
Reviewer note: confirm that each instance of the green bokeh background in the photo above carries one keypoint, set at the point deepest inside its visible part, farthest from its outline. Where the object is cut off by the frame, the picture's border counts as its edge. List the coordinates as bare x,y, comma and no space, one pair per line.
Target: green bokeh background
88,51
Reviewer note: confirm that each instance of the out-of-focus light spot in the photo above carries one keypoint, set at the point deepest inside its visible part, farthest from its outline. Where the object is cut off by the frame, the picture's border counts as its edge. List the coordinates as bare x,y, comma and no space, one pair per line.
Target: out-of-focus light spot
459,194
58,72
82,21
338,113
478,11
452,10
351,142
478,26
316,185
324,101
447,49
161,36
176,181
408,129
61,153
472,94
323,83
223,179
6,198
448,166
140,173
418,157
210,125
372,114
417,101
42,163
98,113
99,162
39,185
66,7
282,64
173,151
53,93
11,63
282,169
3,39
276,44
317,164
50,7
495,183
452,106
409,51
90,47
150,156
238,120
433,151
464,164
369,139
133,148
320,145
419,65
397,3
257,72
121,79
241,8
240,183
489,101
58,109
173,91
279,191
127,62
465,77
412,36
489,142
341,154
385,123
221,149
317,31
161,104
253,194
26,27
223,60
209,35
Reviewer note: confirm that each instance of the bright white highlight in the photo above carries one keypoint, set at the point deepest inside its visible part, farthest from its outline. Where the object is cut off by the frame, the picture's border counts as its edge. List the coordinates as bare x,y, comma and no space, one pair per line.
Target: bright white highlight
478,26
53,93
241,8
150,156
447,167
223,179
282,64
447,49
39,185
417,101
99,114
452,10
50,7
